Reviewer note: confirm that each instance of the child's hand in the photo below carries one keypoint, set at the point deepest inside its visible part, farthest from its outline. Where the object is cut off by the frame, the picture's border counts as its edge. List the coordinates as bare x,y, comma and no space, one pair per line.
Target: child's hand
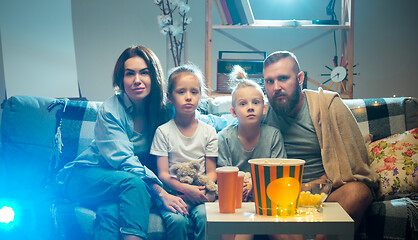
174,203
210,195
246,189
195,194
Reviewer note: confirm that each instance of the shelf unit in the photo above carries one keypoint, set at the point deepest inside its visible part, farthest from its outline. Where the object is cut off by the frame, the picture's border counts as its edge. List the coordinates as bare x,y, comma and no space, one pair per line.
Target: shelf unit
347,39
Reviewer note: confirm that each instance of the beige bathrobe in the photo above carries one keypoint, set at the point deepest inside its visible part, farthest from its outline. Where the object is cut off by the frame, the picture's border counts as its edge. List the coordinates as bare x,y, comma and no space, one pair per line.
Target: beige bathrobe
344,153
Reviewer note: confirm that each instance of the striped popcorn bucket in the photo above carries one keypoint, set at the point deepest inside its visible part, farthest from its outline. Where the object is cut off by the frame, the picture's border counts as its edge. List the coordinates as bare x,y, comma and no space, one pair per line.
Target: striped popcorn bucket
277,185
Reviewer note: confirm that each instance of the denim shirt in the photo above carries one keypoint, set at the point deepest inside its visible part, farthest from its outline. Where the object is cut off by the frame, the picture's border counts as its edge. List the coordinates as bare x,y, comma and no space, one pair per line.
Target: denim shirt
112,146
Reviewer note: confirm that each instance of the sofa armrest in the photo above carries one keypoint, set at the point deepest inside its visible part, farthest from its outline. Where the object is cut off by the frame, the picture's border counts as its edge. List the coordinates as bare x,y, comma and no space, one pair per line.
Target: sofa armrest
27,132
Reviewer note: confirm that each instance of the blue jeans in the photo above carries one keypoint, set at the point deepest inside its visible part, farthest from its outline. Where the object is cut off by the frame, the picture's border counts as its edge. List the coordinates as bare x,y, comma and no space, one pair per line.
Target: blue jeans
176,224
121,200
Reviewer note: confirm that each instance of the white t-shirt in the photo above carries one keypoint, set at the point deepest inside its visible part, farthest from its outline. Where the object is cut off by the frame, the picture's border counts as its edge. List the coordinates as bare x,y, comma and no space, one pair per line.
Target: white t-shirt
170,142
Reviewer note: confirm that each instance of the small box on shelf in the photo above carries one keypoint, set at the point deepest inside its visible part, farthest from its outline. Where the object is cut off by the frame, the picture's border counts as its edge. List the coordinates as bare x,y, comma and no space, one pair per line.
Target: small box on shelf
253,68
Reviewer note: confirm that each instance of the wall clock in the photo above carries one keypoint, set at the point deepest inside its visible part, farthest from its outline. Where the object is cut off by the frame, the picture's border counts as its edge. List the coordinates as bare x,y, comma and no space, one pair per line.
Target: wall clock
338,76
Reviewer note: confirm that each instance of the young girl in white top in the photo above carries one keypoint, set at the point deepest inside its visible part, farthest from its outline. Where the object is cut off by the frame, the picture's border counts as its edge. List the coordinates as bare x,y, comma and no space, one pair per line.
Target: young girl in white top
184,139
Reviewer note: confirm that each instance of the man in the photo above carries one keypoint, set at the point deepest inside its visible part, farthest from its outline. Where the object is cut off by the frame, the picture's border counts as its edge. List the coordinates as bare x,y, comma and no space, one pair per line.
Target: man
319,128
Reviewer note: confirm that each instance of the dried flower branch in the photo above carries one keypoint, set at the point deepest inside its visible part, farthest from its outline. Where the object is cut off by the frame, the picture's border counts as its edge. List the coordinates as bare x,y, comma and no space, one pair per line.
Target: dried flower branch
174,25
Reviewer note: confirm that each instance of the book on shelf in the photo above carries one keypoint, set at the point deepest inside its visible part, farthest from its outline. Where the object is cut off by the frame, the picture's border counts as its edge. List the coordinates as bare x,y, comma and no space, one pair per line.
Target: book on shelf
247,11
225,11
221,12
240,11
233,11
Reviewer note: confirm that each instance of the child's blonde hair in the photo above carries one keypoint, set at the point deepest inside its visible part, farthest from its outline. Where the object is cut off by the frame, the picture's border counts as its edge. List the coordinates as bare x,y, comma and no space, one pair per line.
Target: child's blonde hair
186,68
239,77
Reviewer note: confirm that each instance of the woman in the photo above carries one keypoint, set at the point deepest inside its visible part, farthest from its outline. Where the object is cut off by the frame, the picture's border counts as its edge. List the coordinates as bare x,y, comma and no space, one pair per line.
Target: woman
111,175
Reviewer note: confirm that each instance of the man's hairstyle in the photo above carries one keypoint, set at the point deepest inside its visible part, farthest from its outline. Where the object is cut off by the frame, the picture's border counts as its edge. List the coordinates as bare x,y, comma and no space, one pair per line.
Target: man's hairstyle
278,55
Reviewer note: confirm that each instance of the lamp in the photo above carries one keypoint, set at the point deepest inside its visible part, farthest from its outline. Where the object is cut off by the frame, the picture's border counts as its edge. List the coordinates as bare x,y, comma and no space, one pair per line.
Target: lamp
7,215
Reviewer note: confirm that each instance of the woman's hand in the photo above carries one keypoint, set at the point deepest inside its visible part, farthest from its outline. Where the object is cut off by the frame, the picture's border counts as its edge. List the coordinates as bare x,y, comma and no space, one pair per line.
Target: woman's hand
174,203
195,194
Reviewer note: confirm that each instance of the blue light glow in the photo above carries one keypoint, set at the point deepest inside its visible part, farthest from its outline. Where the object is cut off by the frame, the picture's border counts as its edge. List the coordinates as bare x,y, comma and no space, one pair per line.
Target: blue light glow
7,215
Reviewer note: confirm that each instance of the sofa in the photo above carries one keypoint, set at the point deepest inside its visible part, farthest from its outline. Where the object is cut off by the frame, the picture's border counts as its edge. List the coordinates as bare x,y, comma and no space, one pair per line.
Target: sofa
39,135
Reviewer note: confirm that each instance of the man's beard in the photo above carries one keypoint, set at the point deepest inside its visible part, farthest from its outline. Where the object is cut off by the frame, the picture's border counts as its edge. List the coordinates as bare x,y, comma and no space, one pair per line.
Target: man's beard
287,106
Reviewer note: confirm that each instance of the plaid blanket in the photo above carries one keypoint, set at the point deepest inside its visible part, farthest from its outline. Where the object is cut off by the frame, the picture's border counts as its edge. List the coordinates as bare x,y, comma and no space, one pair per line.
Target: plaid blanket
392,219
75,130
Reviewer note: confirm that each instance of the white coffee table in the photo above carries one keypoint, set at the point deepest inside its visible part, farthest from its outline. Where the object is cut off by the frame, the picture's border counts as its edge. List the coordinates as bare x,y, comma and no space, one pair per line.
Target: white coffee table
332,220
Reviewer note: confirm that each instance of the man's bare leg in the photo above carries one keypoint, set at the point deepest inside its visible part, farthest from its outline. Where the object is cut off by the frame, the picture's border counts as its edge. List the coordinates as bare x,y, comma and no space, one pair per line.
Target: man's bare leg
354,198
286,237
228,237
238,237
244,237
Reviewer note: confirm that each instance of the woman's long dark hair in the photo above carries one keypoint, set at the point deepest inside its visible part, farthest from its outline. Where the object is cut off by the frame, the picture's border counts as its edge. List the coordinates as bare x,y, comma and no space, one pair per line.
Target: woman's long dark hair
155,104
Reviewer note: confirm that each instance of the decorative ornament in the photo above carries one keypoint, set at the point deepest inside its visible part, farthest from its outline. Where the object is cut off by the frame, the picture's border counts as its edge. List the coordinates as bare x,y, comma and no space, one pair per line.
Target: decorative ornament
174,25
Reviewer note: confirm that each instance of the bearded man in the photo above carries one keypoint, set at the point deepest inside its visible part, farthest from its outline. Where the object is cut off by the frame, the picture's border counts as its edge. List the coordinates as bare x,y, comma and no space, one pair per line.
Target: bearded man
319,128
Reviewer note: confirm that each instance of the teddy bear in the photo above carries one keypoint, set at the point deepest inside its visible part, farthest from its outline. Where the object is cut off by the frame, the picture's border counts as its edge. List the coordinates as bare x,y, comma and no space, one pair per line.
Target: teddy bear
188,172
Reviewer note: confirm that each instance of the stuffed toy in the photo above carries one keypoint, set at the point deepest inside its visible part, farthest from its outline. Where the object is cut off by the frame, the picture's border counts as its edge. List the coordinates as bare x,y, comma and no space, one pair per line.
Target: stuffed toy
188,172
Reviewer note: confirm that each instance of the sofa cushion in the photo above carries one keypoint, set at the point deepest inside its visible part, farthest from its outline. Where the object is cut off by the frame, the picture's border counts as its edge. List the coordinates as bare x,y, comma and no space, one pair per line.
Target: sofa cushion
395,160
381,117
